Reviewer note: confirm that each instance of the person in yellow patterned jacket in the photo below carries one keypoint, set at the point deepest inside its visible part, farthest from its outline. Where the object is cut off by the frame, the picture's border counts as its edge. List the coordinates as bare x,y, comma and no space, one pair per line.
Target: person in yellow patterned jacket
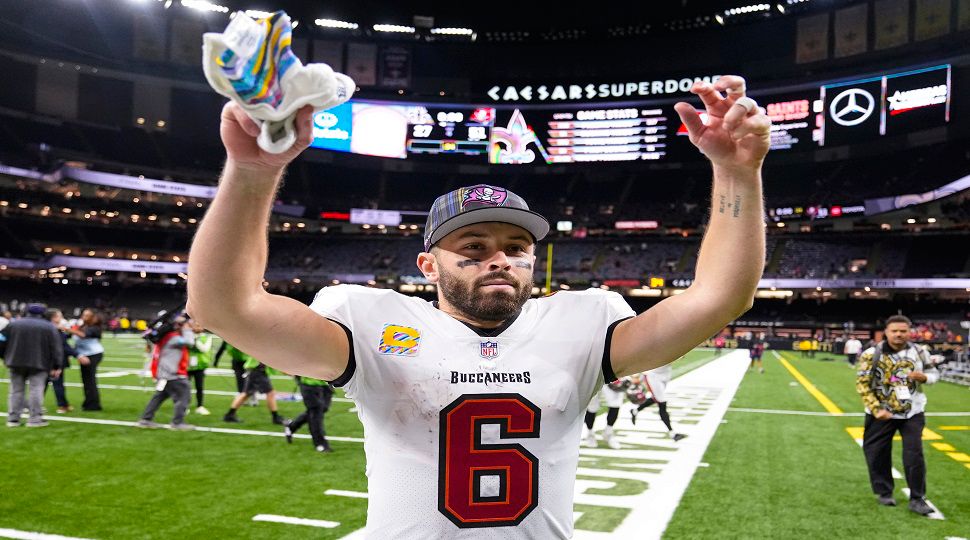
890,380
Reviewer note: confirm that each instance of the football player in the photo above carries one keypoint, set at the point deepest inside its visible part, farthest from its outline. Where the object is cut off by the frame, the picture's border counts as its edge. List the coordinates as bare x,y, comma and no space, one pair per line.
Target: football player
472,404
656,381
612,394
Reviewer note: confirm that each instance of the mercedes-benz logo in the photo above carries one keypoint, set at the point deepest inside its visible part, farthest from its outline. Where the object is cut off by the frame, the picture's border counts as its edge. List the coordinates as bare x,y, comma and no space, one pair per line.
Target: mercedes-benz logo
852,107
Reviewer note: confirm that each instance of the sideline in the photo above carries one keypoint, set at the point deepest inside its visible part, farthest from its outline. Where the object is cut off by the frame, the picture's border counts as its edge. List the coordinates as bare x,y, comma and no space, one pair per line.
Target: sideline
824,400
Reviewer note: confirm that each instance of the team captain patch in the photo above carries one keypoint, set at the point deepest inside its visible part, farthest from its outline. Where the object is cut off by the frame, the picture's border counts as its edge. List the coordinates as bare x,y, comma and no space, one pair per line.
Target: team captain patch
399,340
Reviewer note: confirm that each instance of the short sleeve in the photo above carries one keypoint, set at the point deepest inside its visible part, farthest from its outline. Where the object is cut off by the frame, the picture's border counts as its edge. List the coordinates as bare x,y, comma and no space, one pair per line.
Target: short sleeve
617,311
334,304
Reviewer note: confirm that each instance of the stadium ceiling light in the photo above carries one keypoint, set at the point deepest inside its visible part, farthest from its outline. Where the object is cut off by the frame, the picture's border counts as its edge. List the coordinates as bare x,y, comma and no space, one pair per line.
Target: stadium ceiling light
719,19
931,220
258,14
394,28
453,31
334,23
203,5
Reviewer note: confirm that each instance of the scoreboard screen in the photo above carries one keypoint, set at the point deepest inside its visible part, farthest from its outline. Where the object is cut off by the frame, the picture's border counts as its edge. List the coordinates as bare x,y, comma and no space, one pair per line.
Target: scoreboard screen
446,130
803,118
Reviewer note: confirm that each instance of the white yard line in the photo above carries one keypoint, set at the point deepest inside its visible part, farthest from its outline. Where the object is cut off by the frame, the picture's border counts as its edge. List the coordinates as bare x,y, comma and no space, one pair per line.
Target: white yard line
342,493
296,521
151,388
27,535
123,423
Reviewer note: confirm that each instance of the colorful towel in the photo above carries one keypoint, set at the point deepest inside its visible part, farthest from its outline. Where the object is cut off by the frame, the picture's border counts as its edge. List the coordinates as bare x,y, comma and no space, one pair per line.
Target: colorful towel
251,63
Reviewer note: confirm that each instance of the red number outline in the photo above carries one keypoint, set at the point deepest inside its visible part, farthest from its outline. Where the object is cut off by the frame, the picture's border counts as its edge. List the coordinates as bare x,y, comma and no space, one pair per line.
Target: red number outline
508,428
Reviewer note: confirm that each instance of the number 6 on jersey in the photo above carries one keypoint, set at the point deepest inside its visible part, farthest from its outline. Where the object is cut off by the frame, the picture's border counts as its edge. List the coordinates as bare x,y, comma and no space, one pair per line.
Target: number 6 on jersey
465,464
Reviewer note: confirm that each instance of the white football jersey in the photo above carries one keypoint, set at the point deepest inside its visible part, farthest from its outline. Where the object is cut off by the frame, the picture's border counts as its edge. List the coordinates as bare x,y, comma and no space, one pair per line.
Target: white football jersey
657,380
469,436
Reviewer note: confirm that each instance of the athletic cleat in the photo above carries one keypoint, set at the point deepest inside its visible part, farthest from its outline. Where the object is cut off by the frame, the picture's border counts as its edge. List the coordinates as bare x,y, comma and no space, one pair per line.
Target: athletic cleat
633,416
612,442
324,449
590,440
679,436
887,500
42,423
232,419
279,420
13,424
183,427
287,432
147,424
62,410
920,507
200,410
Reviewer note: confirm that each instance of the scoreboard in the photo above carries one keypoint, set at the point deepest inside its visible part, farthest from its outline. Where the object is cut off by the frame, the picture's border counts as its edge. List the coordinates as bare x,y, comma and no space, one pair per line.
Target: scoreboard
803,118
445,130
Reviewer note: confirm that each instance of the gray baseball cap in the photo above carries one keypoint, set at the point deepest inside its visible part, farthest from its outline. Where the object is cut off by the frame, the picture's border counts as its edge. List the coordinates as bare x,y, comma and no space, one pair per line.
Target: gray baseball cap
479,204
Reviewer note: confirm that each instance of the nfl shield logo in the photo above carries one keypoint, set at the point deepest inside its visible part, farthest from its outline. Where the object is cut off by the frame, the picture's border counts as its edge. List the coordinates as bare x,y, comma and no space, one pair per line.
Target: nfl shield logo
489,349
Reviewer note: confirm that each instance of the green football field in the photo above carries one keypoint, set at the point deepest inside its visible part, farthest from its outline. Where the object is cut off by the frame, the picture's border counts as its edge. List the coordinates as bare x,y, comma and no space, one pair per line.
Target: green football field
771,473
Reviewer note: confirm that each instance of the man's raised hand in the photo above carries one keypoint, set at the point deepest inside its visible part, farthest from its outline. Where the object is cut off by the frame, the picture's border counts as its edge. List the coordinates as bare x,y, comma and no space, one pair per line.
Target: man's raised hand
737,134
239,133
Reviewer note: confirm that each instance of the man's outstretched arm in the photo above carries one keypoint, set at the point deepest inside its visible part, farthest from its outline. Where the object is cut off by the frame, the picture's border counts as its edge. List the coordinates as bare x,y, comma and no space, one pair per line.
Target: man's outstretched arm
228,259
731,259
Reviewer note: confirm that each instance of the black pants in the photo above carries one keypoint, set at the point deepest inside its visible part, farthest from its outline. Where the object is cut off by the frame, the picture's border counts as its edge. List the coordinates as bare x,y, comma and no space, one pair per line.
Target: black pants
198,377
92,398
877,443
239,370
316,399
59,393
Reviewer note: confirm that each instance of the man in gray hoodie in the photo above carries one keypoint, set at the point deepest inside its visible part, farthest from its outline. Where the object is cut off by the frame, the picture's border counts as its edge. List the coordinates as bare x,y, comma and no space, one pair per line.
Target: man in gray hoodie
170,361
33,350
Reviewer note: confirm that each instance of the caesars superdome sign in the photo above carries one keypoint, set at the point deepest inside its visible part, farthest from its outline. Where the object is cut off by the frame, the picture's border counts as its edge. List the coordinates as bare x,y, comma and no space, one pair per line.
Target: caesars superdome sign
593,91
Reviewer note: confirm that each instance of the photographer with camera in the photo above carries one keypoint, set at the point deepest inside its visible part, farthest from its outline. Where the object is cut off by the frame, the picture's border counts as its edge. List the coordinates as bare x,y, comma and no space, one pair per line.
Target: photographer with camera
170,361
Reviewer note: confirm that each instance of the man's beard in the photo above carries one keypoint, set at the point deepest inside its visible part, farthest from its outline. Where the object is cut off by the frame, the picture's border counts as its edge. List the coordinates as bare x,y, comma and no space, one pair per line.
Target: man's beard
472,301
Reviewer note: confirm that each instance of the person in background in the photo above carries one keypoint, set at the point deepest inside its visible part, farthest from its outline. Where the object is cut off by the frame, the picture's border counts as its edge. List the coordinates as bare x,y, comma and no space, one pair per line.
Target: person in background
5,319
656,381
170,361
33,351
719,343
57,319
200,356
239,359
90,353
756,351
890,381
256,380
613,395
852,349
317,395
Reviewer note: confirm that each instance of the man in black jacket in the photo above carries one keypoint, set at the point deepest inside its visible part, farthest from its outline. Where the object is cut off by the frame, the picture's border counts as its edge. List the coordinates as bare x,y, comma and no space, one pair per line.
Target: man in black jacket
33,351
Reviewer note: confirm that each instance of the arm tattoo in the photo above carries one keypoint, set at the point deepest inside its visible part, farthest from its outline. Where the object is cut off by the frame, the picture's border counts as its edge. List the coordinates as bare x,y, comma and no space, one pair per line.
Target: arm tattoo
721,205
737,205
